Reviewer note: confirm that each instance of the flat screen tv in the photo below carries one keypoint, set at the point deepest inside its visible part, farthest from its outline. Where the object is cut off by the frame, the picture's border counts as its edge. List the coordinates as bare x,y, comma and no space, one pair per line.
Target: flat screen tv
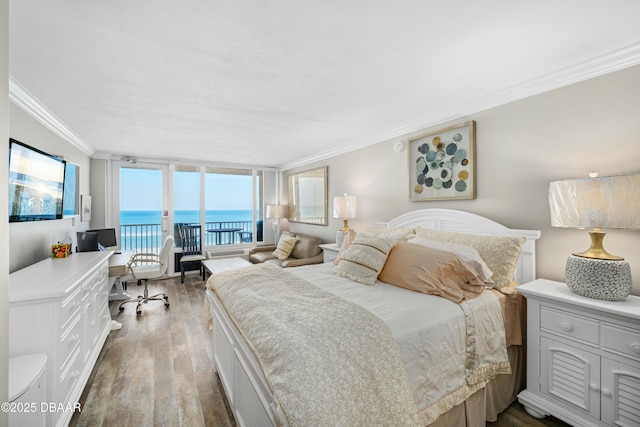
36,182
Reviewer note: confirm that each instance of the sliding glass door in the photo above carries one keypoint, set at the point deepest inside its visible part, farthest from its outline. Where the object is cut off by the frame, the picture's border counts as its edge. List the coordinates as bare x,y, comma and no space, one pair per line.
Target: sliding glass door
140,208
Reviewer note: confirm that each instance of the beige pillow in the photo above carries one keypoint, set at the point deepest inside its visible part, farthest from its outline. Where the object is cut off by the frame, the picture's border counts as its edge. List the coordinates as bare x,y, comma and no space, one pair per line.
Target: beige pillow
468,254
365,257
395,233
500,253
431,271
348,239
285,245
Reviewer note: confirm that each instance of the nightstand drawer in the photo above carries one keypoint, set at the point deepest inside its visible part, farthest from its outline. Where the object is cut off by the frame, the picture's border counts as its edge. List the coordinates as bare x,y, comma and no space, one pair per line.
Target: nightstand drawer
621,340
570,325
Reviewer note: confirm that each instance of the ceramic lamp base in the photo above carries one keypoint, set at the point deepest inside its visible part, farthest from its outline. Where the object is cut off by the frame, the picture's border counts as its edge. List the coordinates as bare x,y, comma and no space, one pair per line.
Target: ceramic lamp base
598,278
340,235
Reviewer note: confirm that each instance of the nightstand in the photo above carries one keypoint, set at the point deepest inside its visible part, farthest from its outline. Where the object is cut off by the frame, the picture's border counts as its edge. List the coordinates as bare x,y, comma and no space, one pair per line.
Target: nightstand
583,356
330,251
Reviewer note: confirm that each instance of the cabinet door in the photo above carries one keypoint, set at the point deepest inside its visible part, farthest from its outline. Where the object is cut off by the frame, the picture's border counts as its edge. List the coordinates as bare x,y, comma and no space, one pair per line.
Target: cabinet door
620,394
571,376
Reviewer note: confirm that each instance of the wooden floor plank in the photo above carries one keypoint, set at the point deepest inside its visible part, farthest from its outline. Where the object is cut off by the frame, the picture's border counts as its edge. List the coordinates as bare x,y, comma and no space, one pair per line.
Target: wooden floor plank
157,370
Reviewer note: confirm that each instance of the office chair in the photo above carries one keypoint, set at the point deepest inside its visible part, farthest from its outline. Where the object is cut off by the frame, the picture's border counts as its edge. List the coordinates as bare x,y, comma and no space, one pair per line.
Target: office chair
190,235
148,266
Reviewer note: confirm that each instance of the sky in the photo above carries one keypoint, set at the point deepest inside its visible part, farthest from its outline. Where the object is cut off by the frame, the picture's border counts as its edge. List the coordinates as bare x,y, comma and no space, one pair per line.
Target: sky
141,189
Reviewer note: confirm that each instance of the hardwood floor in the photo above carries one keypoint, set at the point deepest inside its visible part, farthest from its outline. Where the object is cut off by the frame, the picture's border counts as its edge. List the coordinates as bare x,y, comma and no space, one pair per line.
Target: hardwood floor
157,371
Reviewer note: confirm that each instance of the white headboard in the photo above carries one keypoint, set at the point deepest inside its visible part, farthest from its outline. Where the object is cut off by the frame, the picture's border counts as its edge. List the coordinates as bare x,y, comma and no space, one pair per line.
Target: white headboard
465,222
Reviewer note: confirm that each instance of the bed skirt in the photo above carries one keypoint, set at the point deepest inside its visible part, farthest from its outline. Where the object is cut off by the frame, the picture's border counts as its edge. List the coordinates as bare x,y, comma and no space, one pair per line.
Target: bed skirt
485,404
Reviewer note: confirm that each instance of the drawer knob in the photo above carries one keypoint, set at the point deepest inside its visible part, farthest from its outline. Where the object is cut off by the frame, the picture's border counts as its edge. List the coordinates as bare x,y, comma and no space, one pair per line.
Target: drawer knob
566,326
635,347
606,392
75,338
594,387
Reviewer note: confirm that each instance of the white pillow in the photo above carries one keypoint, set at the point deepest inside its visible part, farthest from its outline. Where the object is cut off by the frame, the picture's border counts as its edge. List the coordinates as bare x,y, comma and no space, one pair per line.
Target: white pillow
467,253
500,253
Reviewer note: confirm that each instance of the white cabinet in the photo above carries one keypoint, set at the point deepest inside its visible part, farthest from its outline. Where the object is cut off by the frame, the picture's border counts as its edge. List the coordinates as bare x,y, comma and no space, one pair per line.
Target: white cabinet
60,307
583,357
329,251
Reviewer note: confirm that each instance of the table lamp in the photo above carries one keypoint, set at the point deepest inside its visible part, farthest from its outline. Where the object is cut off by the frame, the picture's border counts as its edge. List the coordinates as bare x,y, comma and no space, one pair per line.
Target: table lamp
595,204
276,212
344,207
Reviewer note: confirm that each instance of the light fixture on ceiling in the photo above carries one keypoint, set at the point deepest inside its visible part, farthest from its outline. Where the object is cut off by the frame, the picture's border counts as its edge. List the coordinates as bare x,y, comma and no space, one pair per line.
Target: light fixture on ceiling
344,207
610,202
129,159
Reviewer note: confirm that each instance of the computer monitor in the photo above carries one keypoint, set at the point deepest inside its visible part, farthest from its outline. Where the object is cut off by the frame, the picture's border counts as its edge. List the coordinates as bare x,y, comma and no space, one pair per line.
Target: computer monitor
106,237
87,242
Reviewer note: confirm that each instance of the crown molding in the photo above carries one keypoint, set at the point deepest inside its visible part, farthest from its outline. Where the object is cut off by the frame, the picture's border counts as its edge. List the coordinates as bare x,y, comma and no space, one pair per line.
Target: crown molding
32,106
610,62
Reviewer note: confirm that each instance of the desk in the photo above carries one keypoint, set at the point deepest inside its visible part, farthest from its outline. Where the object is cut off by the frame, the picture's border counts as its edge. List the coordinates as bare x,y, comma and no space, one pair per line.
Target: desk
118,268
220,231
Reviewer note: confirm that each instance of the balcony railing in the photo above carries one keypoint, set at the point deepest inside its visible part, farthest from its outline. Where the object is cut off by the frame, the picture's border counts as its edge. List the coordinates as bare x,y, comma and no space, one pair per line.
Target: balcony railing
147,238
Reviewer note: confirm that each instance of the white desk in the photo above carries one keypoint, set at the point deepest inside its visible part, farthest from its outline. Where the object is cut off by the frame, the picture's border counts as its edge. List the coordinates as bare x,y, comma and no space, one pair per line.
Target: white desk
118,268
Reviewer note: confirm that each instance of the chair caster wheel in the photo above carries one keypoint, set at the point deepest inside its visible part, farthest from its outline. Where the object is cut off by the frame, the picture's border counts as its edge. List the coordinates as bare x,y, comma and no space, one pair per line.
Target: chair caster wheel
121,309
138,313
167,305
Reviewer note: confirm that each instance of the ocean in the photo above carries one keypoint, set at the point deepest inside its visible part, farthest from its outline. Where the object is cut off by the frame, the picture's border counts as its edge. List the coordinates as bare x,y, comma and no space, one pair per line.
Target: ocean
193,216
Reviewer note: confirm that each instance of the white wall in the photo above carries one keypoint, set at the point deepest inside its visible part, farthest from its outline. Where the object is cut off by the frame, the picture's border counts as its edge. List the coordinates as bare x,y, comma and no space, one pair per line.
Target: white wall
4,207
520,148
31,241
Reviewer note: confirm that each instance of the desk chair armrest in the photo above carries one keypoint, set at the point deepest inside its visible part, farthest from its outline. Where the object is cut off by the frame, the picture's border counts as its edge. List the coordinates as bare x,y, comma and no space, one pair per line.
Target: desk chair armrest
144,258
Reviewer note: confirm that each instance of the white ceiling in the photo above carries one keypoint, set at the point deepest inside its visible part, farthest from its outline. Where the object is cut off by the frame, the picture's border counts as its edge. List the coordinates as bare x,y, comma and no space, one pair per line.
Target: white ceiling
282,82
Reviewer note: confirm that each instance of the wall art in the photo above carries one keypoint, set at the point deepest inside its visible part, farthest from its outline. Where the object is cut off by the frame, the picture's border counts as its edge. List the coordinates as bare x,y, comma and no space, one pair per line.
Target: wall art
442,164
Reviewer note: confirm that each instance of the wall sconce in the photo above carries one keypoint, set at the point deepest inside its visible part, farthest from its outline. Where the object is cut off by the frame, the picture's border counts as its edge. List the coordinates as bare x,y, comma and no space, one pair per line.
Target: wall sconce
345,207
611,202
276,212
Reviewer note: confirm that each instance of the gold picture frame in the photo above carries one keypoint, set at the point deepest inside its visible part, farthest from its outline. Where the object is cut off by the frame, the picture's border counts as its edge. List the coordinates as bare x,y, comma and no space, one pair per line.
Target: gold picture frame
442,164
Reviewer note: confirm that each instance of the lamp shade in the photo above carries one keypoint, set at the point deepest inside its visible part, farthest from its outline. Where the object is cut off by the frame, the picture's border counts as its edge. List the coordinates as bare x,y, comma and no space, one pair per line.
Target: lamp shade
345,207
611,202
276,211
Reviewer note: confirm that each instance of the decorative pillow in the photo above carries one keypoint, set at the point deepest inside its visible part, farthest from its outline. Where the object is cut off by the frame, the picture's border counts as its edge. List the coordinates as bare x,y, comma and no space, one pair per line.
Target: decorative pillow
500,253
466,253
285,245
365,257
395,233
431,271
348,239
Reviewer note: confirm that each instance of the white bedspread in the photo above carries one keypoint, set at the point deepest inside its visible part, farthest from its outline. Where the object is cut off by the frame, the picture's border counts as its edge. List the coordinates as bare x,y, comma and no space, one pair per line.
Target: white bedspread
450,350
328,361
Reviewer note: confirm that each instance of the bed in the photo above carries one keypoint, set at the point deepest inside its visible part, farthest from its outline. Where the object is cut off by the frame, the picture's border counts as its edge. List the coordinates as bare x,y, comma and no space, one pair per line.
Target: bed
462,371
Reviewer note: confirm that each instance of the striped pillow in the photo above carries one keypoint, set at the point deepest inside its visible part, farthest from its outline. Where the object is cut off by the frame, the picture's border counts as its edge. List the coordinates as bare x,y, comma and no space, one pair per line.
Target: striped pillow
365,257
285,246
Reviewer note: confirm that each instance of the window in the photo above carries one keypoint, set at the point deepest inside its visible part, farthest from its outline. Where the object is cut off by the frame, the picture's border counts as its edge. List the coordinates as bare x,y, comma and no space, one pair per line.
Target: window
227,202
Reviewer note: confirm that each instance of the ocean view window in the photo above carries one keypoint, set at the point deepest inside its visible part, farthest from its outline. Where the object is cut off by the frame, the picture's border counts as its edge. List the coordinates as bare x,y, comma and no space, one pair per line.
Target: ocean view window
140,209
228,203
221,200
